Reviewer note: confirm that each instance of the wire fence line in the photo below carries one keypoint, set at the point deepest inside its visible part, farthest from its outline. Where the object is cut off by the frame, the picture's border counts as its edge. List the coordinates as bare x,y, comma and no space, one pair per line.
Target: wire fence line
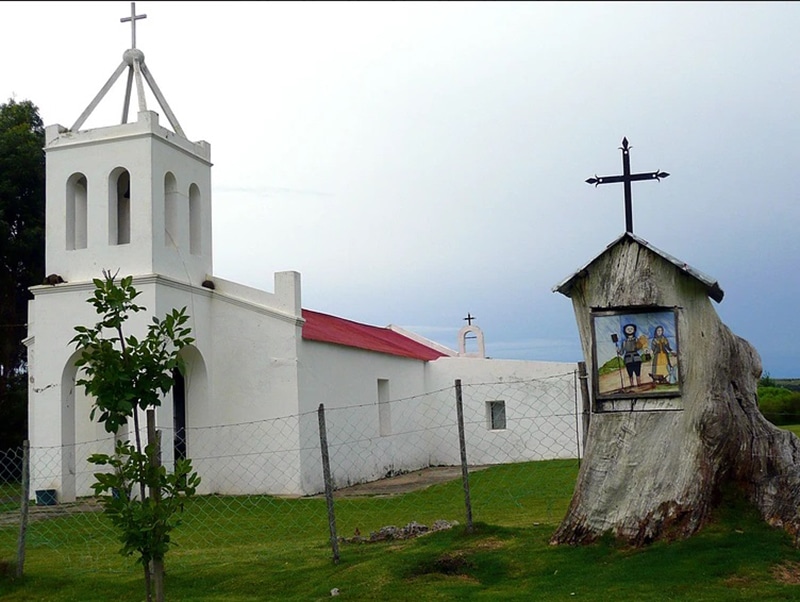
343,472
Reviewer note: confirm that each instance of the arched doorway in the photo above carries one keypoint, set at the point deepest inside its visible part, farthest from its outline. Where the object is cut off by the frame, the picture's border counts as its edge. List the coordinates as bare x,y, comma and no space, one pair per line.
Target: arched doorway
188,407
179,415
80,435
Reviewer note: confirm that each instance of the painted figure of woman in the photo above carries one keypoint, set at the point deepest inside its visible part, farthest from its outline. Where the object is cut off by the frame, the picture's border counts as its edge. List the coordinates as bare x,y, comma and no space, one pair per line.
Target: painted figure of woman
661,357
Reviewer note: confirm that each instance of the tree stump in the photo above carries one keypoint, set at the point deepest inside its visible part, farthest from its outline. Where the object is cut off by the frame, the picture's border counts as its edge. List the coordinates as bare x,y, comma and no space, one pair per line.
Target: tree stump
648,475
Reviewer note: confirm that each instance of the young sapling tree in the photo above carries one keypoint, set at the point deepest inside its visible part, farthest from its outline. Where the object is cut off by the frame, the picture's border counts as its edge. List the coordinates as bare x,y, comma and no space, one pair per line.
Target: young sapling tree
126,376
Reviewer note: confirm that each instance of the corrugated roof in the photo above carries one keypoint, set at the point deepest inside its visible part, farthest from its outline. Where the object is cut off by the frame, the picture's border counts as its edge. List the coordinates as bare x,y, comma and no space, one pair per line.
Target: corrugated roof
712,286
331,329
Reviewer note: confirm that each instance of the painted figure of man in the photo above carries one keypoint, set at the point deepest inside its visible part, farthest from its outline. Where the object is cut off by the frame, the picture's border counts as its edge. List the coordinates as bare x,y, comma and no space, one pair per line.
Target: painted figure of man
629,349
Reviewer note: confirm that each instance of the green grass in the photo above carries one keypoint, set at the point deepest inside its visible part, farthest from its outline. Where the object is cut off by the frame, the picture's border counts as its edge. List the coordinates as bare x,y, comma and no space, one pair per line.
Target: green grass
10,494
251,549
795,428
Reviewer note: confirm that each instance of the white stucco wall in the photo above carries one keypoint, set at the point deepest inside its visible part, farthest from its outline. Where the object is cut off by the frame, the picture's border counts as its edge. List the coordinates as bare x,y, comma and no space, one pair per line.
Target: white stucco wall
60,431
241,389
539,402
422,431
345,380
241,406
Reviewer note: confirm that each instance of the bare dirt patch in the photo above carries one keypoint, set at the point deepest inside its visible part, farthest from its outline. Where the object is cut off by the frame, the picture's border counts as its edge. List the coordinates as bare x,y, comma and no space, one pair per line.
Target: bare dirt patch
405,483
490,544
787,572
36,512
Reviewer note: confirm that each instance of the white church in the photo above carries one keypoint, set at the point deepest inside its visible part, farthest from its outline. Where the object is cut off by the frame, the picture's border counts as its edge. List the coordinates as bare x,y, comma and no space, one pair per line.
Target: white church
136,198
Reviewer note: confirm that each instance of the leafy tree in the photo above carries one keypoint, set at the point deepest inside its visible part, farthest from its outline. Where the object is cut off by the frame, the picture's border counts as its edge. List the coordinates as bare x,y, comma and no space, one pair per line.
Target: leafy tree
126,375
22,202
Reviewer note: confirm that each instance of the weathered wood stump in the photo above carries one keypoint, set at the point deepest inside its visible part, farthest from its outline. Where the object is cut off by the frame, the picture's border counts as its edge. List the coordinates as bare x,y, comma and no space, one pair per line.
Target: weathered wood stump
648,475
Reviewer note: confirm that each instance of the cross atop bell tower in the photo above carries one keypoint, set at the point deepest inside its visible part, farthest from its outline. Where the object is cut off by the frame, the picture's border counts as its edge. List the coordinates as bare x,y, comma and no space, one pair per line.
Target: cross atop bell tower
133,18
133,61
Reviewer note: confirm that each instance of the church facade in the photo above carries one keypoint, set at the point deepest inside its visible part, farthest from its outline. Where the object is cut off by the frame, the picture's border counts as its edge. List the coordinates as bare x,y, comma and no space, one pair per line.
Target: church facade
135,199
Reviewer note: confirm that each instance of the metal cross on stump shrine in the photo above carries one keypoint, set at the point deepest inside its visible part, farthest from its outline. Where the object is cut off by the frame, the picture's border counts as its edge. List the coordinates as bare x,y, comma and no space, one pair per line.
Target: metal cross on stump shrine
626,178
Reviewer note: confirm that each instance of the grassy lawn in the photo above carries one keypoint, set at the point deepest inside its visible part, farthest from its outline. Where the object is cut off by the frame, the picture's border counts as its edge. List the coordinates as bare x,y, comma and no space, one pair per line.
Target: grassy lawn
10,494
254,549
795,428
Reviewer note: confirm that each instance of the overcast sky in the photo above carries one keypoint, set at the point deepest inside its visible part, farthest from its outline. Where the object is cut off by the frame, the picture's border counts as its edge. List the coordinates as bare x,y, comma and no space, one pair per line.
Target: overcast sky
418,161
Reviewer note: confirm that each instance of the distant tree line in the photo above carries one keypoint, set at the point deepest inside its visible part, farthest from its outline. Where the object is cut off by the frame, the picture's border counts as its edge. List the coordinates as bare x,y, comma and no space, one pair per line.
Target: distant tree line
779,400
22,206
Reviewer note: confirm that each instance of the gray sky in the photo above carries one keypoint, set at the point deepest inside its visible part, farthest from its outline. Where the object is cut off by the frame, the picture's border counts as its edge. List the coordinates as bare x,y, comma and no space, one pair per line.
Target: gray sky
418,161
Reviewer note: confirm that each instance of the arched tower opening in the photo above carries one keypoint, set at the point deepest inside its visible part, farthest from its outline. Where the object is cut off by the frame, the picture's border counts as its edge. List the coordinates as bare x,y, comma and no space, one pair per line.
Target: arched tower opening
470,342
76,212
119,207
195,221
171,211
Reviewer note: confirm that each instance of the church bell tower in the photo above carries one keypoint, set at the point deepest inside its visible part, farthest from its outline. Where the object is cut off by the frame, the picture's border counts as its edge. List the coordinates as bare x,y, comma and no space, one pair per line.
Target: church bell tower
133,197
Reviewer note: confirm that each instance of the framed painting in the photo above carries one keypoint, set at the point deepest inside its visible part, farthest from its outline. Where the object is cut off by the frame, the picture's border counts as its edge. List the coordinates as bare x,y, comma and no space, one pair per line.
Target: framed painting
635,353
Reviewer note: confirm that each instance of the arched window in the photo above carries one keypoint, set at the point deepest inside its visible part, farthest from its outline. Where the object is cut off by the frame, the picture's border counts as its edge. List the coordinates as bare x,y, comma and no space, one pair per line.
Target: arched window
76,217
119,207
171,200
195,223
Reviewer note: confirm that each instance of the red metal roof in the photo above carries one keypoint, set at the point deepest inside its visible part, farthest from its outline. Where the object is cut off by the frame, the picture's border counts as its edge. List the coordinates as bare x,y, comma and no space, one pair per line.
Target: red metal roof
330,329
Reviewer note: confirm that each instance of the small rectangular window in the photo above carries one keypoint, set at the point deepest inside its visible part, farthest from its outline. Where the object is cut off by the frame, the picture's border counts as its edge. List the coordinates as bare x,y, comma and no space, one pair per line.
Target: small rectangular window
384,409
496,414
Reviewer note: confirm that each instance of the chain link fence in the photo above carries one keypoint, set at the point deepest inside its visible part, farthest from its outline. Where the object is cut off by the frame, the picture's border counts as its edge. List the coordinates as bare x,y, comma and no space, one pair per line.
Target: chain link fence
336,474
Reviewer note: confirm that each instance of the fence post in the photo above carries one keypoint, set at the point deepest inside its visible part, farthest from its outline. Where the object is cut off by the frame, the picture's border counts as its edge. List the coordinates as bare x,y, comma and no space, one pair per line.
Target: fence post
326,473
23,512
462,444
583,377
154,440
575,388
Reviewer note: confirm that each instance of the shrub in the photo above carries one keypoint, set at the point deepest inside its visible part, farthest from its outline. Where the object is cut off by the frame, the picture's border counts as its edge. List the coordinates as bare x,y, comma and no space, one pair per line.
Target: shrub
779,405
